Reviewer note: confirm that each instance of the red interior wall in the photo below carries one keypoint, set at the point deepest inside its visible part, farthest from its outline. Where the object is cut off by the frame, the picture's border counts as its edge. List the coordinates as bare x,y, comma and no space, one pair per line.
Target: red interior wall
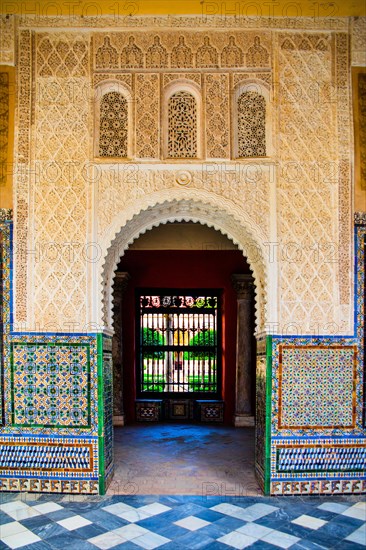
181,269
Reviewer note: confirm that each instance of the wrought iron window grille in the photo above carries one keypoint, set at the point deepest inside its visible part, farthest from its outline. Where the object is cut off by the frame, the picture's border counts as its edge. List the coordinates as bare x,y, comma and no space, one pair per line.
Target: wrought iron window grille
178,343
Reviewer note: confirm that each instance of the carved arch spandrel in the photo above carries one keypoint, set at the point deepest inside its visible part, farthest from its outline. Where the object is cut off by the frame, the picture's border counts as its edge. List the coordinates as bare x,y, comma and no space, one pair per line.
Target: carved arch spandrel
172,206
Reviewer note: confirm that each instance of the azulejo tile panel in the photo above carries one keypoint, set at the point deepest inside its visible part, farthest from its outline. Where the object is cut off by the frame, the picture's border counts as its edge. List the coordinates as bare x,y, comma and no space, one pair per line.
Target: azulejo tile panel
317,386
47,457
108,409
360,282
50,385
320,360
260,428
76,421
316,458
6,237
44,457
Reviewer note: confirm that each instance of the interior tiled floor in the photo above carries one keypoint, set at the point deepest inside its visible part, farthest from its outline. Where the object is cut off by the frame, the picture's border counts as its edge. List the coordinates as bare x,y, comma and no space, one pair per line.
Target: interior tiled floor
169,459
52,522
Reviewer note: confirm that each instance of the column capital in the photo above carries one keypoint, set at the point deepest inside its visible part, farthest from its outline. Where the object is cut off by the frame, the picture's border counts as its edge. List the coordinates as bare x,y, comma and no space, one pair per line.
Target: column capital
243,284
121,279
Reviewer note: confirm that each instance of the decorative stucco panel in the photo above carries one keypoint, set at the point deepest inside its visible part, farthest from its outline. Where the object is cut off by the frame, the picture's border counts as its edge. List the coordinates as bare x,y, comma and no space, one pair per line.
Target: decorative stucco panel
59,191
313,183
298,195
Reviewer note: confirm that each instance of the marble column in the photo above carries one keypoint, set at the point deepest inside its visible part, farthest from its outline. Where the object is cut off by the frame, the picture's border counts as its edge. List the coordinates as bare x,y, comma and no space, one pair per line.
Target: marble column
120,284
243,415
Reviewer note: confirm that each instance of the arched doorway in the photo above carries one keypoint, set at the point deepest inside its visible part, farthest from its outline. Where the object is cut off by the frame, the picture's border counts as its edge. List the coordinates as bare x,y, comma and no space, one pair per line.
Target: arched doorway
202,207
176,325
200,262
174,206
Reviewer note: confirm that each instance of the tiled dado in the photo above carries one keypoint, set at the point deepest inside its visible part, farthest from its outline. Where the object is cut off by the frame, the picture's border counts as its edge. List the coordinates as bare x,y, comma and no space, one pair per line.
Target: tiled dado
56,431
316,434
318,487
33,485
50,384
49,464
58,434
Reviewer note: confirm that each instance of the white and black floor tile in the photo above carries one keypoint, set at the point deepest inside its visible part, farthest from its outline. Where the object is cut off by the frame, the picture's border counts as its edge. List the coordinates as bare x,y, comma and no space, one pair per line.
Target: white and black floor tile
51,522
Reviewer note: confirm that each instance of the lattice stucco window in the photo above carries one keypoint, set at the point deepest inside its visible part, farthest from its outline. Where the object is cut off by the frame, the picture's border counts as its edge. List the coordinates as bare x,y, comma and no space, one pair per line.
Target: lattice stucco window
251,125
182,126
113,126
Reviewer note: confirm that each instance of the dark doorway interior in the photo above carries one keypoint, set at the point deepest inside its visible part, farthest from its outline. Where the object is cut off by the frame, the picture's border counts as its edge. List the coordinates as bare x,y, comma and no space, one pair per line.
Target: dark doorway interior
188,269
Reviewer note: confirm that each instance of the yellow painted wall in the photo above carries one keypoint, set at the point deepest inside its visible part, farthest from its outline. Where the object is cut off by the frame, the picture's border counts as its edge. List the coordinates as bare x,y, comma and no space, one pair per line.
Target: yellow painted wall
360,187
278,8
6,195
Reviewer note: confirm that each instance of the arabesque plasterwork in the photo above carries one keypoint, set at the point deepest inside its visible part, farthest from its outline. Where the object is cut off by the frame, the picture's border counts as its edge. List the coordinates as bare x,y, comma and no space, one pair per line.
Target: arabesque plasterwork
309,127
183,21
59,191
278,184
358,41
173,205
313,157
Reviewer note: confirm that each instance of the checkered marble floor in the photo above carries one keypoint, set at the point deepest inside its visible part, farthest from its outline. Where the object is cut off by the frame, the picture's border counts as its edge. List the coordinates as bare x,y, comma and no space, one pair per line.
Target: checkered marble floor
181,522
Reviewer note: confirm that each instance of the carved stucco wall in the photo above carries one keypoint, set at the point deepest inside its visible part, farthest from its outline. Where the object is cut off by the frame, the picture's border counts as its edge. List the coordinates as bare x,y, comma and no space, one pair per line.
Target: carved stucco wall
358,41
314,181
303,212
175,205
60,189
7,35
